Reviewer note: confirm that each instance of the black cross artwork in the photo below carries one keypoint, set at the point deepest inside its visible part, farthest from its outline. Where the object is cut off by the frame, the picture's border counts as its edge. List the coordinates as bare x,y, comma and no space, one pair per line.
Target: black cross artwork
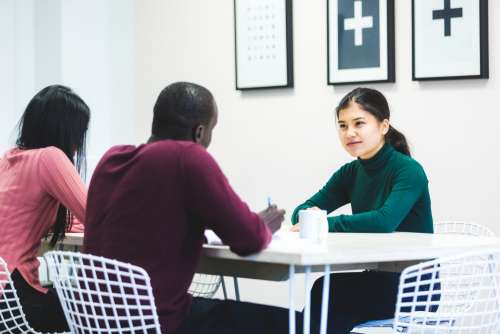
447,14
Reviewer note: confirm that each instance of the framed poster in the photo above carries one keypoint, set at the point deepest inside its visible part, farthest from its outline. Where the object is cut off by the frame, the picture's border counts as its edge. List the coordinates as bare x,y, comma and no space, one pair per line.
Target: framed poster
360,41
450,39
263,43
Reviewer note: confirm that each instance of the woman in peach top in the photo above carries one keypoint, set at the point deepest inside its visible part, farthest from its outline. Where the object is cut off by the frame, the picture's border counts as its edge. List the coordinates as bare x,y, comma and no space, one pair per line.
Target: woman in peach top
41,191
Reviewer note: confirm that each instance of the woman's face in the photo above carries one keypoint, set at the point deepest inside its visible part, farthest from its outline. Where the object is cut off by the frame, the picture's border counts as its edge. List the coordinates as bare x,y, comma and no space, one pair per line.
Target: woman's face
361,134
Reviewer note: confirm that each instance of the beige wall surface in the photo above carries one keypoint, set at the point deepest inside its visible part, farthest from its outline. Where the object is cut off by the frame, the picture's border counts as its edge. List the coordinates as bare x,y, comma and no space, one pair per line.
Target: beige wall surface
87,45
283,143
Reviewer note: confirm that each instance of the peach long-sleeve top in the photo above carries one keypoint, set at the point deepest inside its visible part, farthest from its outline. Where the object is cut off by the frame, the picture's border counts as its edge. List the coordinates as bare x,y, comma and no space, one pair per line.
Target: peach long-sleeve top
33,183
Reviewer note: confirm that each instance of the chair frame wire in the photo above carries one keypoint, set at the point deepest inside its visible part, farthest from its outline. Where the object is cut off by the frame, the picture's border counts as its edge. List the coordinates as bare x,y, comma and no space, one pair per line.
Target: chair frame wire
462,227
441,227
98,292
479,270
12,317
204,285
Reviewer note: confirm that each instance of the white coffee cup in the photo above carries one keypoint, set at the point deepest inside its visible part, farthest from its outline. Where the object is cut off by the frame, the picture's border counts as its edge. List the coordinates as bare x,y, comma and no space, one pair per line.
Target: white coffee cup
313,225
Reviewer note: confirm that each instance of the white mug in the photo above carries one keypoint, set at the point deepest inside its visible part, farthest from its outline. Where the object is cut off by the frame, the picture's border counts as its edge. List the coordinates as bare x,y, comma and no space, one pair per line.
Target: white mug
313,225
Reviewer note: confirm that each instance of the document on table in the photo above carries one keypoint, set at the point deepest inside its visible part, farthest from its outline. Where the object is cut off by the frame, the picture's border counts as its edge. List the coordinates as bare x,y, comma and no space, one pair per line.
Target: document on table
282,241
213,239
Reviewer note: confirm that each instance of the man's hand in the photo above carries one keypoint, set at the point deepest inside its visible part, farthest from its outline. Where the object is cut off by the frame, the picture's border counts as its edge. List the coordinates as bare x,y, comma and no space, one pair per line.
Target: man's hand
273,217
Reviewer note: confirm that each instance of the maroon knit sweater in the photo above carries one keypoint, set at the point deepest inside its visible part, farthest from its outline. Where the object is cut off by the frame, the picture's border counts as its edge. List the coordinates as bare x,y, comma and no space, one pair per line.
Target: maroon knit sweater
149,205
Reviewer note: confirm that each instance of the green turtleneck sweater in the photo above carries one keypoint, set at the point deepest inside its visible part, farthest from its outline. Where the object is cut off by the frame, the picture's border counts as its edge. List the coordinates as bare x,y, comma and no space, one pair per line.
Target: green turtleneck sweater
387,192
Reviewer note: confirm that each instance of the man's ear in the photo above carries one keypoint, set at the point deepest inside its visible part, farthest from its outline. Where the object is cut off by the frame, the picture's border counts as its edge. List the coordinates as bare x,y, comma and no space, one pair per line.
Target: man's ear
198,133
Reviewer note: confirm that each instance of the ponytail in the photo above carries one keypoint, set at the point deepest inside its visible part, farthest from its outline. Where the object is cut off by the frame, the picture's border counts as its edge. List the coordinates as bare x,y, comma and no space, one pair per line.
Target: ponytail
398,141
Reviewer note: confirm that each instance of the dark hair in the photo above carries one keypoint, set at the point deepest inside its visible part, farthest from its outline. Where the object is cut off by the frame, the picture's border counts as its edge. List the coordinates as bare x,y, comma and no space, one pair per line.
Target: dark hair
375,103
56,116
179,108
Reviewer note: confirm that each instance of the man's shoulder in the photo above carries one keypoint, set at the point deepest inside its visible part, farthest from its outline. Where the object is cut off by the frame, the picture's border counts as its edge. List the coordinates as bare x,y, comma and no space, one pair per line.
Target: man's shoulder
175,150
119,149
173,146
158,153
150,149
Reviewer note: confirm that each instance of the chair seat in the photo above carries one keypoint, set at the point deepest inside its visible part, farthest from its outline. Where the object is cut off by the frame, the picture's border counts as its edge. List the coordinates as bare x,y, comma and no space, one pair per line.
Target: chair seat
12,317
373,330
367,327
377,323
374,327
461,274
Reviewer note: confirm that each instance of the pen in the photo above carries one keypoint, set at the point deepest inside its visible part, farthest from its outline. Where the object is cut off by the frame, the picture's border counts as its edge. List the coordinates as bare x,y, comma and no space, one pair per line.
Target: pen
269,201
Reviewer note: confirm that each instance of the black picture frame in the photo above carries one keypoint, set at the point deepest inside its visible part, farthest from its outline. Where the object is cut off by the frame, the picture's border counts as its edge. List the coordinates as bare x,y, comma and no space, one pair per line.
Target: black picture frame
425,67
274,38
385,71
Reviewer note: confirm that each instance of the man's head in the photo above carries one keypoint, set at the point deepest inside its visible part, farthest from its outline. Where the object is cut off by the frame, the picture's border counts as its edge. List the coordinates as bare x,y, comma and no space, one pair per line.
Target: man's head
184,111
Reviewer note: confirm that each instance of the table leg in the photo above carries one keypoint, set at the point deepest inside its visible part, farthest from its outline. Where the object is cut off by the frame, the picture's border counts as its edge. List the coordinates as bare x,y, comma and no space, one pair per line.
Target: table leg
236,289
223,283
324,300
307,306
291,309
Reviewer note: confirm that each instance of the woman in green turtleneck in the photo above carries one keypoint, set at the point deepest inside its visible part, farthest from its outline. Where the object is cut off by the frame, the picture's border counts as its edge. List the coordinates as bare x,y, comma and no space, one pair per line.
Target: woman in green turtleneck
387,191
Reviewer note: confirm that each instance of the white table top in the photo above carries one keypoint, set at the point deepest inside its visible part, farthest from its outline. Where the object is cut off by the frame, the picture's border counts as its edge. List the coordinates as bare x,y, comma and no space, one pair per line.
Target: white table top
344,248
344,251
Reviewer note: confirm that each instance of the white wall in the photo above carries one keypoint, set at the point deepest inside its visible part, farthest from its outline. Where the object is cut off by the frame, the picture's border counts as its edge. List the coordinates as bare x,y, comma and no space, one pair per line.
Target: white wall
16,65
283,142
98,62
87,45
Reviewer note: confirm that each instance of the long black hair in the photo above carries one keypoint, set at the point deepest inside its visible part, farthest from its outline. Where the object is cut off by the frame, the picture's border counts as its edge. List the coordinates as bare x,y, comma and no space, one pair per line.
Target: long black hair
375,103
56,116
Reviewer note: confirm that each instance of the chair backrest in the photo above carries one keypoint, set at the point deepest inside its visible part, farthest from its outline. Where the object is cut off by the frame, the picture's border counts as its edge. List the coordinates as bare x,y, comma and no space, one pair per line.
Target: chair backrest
421,309
462,227
12,318
464,296
204,285
101,295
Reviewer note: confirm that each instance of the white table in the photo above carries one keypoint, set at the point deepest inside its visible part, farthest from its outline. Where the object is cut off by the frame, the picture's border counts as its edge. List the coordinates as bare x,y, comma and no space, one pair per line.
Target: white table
288,255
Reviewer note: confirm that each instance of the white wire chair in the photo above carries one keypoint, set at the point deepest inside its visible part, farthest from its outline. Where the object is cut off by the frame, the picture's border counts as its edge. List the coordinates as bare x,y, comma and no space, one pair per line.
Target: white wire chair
462,227
441,227
101,295
422,308
204,285
12,317
467,301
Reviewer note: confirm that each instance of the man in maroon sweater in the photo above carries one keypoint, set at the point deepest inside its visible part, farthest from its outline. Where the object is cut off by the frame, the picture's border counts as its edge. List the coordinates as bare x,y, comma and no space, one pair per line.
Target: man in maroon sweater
149,205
